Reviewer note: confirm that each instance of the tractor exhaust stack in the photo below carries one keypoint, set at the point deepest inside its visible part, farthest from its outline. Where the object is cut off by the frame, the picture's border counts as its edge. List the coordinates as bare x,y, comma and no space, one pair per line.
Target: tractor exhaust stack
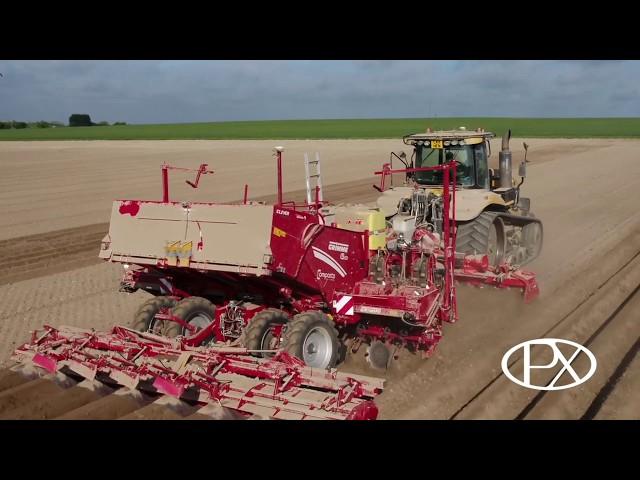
506,179
278,153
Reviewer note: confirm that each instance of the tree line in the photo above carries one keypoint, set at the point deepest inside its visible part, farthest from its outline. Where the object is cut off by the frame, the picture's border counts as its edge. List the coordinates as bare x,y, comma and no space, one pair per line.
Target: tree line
75,120
41,124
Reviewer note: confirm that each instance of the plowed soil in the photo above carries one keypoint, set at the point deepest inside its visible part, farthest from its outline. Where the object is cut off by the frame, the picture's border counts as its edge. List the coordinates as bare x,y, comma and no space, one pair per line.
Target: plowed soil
57,197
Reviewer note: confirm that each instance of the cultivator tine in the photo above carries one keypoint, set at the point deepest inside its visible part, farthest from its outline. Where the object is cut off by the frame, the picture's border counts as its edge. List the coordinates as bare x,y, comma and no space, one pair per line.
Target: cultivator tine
180,365
47,332
280,387
218,368
285,382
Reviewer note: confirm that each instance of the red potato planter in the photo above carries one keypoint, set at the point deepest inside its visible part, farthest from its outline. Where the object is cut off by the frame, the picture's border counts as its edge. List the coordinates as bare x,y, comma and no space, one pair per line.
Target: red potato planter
253,304
314,283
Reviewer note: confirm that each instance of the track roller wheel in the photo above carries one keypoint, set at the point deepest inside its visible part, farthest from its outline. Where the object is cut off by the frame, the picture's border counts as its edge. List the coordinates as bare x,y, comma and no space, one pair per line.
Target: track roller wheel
532,239
196,311
497,242
312,337
144,319
259,334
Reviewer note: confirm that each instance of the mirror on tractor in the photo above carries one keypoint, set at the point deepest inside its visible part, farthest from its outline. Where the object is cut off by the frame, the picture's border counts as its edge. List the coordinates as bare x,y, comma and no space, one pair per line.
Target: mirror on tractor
403,158
522,171
494,178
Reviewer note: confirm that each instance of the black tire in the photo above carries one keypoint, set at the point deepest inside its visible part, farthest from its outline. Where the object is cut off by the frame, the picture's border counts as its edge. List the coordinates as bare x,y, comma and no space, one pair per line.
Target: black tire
257,334
297,336
473,236
191,309
144,319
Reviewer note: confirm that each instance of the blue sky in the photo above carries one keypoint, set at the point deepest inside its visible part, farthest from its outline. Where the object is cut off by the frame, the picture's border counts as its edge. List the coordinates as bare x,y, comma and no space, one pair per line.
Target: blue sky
197,91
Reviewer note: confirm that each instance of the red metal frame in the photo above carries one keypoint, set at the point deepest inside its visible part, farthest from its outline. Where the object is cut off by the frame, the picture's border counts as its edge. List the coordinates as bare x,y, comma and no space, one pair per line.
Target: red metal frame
202,170
301,280
395,311
503,276
280,387
306,274
312,266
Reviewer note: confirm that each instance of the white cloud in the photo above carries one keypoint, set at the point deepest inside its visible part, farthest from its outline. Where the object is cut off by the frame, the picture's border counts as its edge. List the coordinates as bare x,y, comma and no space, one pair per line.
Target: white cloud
183,91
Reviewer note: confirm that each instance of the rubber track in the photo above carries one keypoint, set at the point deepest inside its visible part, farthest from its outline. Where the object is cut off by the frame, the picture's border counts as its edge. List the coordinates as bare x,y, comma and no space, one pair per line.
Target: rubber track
473,236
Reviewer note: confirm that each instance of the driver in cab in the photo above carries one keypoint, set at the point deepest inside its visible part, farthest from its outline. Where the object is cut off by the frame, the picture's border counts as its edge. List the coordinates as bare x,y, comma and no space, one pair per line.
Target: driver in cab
463,171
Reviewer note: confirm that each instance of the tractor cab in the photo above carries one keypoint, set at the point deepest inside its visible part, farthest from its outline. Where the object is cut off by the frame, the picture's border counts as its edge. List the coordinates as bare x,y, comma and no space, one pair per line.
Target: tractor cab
479,187
469,149
491,216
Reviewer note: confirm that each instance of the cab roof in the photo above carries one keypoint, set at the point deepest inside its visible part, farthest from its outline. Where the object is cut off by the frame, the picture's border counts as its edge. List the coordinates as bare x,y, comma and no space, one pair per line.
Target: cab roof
448,135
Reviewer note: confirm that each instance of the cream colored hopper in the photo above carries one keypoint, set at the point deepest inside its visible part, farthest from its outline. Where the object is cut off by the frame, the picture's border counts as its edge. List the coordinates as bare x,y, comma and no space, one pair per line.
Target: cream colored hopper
216,237
359,218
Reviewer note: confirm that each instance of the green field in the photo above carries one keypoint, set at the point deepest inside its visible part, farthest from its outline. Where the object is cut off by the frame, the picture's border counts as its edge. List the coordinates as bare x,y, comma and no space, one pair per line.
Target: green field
328,129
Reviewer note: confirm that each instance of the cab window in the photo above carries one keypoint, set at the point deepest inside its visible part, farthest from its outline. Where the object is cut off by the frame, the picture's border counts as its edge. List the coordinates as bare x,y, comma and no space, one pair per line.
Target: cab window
472,168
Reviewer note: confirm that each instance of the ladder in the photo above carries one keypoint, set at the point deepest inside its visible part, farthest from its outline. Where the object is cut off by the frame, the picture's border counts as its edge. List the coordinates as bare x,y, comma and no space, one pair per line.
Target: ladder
312,171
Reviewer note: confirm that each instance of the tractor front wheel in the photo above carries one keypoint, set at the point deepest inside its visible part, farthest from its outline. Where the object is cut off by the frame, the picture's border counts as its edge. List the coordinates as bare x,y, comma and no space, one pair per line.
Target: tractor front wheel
312,337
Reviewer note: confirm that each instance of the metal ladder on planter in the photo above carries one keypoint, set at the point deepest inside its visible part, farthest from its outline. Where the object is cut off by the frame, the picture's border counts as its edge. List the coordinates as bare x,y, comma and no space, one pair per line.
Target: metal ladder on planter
312,172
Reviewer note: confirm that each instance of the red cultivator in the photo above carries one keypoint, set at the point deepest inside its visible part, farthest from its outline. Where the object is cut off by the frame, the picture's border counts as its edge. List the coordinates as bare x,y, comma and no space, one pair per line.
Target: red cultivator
281,387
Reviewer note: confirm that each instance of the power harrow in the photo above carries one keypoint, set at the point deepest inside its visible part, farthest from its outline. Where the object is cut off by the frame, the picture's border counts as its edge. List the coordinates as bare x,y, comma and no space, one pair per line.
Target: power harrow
253,305
281,387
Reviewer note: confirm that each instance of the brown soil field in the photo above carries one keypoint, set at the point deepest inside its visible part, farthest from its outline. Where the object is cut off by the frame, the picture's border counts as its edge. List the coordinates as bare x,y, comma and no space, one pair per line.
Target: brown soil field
57,198
49,186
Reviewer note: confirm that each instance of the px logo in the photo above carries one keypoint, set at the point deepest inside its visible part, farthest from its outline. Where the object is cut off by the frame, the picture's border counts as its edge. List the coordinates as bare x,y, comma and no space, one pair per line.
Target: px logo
559,362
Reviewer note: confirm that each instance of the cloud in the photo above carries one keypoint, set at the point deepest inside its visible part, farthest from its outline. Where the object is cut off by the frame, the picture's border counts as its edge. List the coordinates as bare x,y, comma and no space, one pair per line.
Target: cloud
185,91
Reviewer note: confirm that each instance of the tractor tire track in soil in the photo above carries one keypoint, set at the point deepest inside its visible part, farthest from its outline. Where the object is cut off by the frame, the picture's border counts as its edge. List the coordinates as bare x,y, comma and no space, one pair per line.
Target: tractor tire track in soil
53,252
37,396
593,318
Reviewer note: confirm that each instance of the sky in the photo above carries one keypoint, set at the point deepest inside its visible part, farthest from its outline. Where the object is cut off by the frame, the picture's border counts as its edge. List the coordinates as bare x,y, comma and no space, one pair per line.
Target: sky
137,91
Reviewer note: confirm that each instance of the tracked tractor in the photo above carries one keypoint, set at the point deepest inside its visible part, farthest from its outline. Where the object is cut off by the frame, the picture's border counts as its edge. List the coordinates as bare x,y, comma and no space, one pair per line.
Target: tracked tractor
493,218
